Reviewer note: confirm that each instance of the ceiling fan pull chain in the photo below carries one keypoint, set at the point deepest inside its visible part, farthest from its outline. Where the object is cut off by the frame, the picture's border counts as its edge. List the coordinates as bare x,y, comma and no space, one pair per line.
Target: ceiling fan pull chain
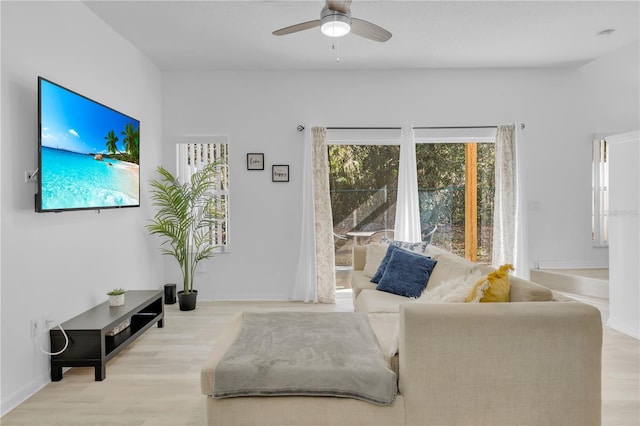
337,48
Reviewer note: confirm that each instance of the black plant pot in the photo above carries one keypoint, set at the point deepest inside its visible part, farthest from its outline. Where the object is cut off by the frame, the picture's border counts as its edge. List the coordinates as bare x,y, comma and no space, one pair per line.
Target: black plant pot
187,301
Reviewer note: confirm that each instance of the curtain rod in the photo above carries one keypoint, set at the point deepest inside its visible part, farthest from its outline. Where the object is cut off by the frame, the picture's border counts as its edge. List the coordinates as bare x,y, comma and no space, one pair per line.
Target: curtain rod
301,128
364,128
460,127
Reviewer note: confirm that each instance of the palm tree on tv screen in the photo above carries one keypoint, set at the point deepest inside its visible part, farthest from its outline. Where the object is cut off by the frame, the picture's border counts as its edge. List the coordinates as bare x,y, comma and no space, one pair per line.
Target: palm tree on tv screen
112,140
131,141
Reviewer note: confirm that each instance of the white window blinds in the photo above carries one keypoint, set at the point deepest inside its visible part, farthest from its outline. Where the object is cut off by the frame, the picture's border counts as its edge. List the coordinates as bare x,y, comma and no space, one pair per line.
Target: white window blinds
192,154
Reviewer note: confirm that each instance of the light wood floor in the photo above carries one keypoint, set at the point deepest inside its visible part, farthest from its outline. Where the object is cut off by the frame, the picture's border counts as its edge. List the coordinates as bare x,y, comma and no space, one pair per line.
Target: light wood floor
156,380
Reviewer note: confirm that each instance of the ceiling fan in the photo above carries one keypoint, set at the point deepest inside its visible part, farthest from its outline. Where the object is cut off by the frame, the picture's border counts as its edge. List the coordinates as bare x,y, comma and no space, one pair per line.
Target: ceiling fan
336,21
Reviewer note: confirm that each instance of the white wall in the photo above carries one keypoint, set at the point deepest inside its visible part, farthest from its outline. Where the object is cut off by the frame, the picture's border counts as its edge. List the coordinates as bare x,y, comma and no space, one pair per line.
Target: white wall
624,233
260,111
604,98
611,86
55,266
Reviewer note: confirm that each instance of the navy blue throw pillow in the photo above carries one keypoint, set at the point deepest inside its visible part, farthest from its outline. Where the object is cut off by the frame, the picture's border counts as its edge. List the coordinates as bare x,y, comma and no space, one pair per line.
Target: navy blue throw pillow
406,273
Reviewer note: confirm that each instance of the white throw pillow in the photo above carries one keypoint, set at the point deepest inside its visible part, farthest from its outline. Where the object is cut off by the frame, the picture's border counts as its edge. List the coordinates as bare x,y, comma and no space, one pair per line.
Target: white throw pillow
454,290
374,256
450,266
435,252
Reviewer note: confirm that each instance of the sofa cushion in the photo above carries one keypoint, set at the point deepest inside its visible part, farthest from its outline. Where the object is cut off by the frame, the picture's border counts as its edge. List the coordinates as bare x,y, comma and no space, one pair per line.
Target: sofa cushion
385,326
454,290
450,266
406,273
371,300
492,288
359,257
359,281
375,253
528,291
435,252
417,247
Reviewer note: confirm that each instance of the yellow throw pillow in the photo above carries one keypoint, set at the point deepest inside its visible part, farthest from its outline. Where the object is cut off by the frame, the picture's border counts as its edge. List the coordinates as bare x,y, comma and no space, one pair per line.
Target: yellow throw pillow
492,288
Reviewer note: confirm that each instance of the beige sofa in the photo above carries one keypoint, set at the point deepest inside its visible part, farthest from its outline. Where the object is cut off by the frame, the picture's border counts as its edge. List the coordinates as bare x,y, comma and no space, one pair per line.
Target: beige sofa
524,363
367,299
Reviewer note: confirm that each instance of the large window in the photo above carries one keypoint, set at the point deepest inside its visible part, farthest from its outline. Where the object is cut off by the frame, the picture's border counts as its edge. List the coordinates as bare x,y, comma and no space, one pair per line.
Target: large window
364,187
600,193
363,182
455,189
196,153
455,193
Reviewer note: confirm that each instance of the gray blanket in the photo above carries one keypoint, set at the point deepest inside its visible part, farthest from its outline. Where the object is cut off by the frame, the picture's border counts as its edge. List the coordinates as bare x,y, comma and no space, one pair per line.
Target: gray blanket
306,353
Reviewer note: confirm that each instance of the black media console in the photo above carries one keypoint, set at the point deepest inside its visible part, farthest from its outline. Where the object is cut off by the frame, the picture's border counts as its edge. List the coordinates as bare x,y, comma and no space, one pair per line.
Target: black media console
89,345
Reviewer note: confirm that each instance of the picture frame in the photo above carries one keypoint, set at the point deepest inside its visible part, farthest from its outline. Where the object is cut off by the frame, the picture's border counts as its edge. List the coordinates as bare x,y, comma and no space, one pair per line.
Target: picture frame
280,173
255,161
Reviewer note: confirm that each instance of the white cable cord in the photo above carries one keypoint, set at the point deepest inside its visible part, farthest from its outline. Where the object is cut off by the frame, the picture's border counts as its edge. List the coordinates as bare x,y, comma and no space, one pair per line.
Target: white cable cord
66,340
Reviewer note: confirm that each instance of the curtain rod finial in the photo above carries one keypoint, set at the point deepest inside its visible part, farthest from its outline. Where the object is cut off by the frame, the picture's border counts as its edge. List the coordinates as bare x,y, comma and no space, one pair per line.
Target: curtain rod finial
300,127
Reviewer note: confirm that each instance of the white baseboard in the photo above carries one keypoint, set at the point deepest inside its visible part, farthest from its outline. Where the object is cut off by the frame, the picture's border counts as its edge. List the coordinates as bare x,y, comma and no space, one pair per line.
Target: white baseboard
623,328
10,402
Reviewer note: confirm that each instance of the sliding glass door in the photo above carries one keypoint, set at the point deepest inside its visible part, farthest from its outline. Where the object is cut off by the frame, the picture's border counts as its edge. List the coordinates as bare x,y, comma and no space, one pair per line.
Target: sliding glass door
455,172
456,191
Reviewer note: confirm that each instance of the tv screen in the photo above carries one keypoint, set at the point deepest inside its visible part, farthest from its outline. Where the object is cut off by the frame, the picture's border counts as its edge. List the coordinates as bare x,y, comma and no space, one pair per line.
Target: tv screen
88,153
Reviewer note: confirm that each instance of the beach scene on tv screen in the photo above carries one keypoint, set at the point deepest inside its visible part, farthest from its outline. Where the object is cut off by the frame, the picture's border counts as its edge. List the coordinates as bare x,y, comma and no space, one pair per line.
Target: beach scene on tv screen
90,154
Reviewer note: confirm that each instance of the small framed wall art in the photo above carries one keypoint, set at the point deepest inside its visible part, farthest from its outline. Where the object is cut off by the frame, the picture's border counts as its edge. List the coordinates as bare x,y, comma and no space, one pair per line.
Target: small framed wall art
255,161
280,173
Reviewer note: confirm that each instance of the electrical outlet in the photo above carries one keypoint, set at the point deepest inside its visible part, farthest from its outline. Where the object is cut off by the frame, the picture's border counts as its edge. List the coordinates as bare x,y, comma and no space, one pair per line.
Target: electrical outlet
30,176
35,329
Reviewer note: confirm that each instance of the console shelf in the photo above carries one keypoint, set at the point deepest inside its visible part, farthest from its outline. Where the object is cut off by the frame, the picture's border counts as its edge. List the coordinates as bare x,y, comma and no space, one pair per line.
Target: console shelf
89,346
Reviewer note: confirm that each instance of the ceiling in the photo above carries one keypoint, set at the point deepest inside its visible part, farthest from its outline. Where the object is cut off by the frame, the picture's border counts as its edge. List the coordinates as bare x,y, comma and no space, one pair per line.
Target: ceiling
230,35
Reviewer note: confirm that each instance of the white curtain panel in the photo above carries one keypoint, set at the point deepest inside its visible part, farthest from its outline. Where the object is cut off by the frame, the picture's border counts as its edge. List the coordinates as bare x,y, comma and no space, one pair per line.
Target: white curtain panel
407,226
325,252
522,261
315,275
508,224
305,283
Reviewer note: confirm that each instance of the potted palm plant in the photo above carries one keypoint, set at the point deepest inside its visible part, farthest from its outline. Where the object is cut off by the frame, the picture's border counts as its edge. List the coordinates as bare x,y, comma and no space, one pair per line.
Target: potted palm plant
185,217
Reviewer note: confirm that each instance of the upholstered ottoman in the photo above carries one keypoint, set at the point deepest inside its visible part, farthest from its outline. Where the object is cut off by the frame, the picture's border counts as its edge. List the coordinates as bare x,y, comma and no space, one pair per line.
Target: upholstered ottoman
268,409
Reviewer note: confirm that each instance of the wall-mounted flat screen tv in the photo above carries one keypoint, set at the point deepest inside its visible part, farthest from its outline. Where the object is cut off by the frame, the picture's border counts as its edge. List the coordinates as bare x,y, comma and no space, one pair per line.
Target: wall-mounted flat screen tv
88,153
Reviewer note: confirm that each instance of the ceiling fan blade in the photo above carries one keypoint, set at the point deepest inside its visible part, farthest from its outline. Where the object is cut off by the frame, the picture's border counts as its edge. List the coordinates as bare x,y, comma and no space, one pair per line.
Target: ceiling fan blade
339,5
297,27
368,30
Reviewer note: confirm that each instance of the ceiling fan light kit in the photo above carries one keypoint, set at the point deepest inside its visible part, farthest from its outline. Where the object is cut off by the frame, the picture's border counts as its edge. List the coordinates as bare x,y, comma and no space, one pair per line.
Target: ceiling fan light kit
334,23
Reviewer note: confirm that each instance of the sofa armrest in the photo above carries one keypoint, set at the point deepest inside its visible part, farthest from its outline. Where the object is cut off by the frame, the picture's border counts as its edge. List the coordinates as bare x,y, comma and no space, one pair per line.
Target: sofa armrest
359,257
501,363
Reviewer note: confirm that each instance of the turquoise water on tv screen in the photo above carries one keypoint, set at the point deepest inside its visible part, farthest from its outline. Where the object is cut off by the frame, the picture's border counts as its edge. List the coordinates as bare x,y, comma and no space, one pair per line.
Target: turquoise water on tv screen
75,181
